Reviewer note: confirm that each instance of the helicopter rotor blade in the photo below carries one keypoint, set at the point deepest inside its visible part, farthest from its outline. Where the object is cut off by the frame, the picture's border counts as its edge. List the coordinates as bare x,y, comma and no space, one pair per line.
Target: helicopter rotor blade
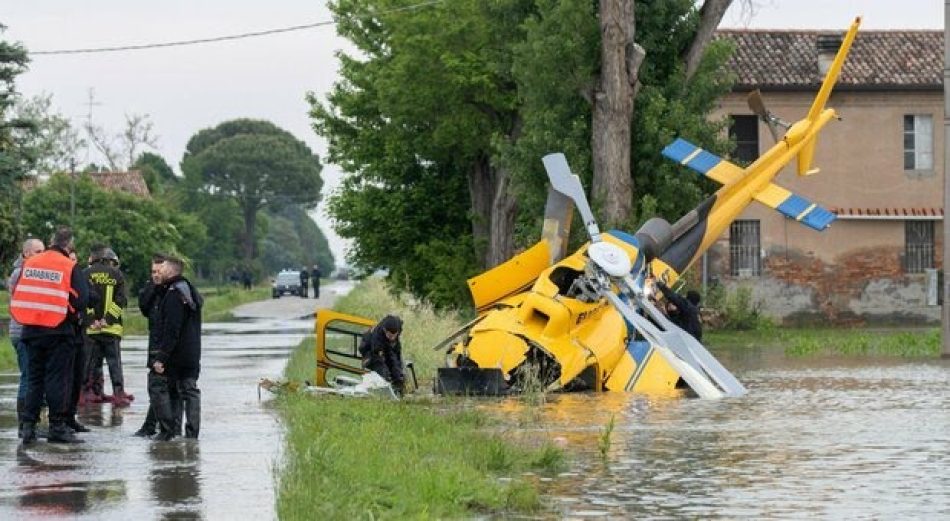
757,106
704,374
567,183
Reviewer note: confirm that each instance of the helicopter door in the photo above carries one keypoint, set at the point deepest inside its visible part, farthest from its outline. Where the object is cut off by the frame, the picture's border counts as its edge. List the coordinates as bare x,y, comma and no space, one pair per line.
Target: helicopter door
338,339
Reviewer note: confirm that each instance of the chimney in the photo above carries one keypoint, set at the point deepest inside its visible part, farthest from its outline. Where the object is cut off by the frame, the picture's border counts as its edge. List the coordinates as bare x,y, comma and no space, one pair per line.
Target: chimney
827,45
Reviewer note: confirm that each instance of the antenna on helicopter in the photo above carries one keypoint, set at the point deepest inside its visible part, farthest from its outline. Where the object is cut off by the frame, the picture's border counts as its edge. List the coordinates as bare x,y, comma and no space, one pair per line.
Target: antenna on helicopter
757,106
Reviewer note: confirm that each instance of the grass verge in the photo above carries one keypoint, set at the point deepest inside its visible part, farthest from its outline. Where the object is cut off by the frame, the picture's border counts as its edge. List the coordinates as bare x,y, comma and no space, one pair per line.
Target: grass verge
369,459
7,355
804,342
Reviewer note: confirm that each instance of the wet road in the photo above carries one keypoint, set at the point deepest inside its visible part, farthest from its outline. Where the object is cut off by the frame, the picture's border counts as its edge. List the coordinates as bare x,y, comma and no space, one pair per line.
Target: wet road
227,473
819,438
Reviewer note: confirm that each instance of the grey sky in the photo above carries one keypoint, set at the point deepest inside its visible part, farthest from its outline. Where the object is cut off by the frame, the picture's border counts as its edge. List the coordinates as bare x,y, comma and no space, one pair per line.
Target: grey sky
186,89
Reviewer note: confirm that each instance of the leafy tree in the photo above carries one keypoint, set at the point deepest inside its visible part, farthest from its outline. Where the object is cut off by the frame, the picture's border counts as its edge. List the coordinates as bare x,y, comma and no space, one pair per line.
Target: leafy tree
464,98
156,171
15,157
256,164
314,247
135,227
55,144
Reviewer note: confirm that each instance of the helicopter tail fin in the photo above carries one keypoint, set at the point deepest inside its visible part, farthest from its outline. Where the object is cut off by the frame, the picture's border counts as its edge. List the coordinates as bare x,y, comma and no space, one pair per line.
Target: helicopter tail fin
702,161
795,207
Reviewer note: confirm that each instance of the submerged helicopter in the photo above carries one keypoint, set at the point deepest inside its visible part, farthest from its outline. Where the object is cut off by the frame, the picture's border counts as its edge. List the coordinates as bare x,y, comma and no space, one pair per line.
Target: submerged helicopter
586,321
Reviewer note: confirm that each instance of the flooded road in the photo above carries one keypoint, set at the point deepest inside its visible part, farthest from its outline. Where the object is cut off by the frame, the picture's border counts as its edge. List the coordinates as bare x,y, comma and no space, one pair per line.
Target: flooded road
227,473
816,437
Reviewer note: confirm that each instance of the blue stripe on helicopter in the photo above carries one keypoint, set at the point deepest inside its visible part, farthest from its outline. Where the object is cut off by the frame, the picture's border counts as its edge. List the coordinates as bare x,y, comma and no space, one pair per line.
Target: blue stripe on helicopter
683,151
638,350
802,210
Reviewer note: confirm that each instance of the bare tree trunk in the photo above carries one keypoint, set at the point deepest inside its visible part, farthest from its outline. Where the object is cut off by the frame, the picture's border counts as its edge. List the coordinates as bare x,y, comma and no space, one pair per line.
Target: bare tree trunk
481,193
250,223
613,98
710,15
504,210
494,209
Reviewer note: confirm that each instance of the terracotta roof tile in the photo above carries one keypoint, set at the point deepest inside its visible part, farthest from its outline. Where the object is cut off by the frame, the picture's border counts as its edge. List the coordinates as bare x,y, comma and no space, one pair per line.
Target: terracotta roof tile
130,182
775,59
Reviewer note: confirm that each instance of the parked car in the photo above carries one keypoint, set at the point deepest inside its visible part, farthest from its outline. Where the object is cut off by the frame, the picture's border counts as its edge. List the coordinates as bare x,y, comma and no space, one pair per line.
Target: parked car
287,282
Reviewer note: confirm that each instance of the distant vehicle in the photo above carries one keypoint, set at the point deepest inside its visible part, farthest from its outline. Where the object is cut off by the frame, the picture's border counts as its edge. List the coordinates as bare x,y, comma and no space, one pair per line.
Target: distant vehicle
287,282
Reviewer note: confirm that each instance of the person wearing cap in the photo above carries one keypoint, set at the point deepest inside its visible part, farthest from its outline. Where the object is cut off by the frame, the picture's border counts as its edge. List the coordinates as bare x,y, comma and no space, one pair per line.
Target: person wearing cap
381,351
104,331
684,312
48,300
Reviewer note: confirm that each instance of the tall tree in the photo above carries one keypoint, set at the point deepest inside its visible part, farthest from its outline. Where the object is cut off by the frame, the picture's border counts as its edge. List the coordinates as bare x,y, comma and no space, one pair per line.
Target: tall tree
156,171
15,157
256,164
617,86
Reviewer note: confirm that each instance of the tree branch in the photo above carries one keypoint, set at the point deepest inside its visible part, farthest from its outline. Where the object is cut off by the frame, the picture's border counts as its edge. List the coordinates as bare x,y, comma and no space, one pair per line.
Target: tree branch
709,17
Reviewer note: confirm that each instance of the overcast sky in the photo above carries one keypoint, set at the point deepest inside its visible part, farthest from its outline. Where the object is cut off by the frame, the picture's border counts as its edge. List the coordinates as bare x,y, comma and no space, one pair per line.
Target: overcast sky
185,89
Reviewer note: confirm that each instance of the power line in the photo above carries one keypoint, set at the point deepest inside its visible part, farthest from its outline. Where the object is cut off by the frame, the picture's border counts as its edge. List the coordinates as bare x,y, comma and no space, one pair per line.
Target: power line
182,43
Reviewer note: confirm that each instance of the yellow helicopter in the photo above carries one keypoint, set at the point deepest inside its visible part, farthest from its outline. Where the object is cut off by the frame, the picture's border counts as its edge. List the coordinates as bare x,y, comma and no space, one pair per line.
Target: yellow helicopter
585,321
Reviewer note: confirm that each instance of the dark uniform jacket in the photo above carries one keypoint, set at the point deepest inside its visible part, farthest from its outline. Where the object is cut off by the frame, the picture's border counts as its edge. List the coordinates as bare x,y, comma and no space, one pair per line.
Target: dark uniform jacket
178,343
150,299
107,283
381,356
686,316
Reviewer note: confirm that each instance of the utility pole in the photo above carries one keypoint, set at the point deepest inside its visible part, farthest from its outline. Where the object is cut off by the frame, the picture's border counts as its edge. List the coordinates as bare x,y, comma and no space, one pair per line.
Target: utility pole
945,326
72,192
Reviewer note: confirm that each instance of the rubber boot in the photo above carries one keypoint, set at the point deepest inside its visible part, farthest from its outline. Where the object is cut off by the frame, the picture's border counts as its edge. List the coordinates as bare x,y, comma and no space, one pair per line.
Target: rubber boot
120,398
27,433
148,426
59,432
73,424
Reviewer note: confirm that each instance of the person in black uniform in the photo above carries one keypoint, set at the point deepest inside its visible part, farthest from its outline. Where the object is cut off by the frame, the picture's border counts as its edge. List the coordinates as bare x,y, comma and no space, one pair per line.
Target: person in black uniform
304,277
684,312
150,297
173,380
48,300
381,351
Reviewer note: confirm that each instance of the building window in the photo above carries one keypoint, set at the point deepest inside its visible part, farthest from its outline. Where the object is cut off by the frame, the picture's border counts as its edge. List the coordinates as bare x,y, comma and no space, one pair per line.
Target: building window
918,142
918,246
745,131
744,248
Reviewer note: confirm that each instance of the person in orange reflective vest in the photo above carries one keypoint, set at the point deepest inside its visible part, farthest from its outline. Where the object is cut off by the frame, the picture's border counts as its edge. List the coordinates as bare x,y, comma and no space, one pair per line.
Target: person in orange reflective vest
47,300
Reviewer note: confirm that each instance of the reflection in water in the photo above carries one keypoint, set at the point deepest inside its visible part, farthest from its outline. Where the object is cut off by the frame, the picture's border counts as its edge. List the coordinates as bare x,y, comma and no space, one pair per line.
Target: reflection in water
824,437
68,497
174,478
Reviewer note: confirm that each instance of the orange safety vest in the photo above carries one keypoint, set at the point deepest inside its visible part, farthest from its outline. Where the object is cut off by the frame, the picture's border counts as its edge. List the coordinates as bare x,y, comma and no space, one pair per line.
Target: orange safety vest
41,296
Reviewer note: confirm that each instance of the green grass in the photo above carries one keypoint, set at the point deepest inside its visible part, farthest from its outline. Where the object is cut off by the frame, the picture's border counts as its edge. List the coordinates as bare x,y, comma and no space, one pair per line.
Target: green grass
865,342
413,459
7,355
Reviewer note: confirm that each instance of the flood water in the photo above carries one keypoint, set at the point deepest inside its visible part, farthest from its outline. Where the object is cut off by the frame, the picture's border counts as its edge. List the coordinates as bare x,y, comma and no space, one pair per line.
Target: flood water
227,474
817,437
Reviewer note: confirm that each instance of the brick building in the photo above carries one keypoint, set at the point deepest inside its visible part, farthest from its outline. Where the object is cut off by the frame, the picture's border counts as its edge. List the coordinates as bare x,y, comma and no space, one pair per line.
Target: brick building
881,173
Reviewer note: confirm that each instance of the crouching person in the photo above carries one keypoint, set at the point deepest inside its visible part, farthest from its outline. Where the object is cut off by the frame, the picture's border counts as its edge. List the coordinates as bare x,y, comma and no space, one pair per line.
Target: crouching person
382,351
175,362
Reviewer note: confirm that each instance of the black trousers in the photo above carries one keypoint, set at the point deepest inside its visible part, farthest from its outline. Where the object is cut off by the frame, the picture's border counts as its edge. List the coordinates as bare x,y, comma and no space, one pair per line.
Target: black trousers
52,361
104,346
170,398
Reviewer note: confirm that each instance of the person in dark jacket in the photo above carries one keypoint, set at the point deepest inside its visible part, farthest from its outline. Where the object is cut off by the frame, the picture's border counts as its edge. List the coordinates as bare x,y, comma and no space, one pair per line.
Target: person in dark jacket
177,357
150,298
684,312
104,334
381,350
304,279
50,319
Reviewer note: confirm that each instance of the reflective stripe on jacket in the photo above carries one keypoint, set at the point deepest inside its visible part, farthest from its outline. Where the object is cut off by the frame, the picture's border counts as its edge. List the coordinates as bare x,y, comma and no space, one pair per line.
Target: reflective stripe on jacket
41,296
